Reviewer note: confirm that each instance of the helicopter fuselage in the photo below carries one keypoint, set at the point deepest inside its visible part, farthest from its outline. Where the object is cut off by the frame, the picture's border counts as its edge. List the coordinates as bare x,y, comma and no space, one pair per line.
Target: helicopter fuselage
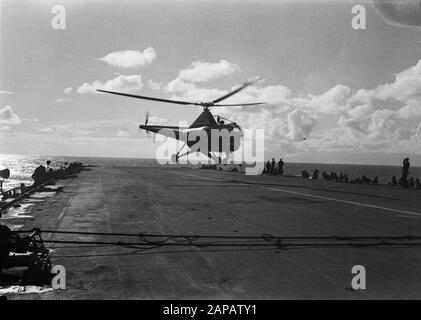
205,135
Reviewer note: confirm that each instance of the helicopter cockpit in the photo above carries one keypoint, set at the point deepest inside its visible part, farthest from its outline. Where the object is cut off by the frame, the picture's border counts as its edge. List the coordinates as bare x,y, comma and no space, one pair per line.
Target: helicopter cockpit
227,123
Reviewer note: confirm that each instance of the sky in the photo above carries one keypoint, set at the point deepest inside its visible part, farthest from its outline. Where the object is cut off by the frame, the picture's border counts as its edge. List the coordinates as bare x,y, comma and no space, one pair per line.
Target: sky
334,94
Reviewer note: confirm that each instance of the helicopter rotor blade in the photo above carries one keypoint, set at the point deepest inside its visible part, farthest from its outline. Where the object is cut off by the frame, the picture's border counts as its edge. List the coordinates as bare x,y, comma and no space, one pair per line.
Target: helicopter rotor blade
243,86
150,98
238,104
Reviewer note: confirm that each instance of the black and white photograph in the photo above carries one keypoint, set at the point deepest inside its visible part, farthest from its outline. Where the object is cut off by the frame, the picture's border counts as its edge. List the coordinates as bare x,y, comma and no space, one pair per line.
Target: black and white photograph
223,151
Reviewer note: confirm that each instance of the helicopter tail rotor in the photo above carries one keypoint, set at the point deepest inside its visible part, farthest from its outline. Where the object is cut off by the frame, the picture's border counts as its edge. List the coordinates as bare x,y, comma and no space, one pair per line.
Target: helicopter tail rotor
147,117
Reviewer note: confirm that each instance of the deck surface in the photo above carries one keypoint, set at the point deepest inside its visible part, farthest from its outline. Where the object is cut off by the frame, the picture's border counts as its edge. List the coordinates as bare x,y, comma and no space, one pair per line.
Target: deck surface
173,200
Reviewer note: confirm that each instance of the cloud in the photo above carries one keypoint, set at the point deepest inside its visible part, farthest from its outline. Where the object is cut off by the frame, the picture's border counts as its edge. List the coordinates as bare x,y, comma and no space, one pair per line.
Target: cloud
61,100
31,120
341,118
381,123
6,128
279,97
68,90
154,85
402,97
406,86
271,94
275,125
418,131
95,129
407,140
361,111
47,130
332,101
155,119
410,111
200,71
8,117
130,58
178,85
6,92
123,83
375,128
382,117
402,133
184,87
354,127
300,124
123,134
406,13
190,92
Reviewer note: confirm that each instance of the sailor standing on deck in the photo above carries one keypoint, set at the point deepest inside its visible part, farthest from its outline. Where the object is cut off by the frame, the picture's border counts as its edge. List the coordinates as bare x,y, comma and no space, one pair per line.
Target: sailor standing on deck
281,167
272,169
267,168
405,172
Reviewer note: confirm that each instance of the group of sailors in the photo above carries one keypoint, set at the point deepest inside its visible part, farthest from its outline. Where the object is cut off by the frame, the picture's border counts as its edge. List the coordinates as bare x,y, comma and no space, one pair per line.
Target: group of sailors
341,178
274,169
46,173
410,183
404,182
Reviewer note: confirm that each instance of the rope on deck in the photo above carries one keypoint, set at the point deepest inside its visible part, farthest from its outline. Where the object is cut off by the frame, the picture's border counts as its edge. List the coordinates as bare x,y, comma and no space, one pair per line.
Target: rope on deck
280,242
195,236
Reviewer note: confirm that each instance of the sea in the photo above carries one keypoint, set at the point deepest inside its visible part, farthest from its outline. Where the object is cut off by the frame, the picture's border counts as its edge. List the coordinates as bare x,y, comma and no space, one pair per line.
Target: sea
22,166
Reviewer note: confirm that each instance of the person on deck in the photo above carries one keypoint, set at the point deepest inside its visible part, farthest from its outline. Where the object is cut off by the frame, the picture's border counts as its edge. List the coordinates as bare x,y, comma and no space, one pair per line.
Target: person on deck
375,181
411,182
405,172
39,175
281,167
272,169
394,181
267,168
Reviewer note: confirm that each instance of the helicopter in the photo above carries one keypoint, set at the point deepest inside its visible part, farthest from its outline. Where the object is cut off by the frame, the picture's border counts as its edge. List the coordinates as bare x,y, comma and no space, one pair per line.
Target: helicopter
205,123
